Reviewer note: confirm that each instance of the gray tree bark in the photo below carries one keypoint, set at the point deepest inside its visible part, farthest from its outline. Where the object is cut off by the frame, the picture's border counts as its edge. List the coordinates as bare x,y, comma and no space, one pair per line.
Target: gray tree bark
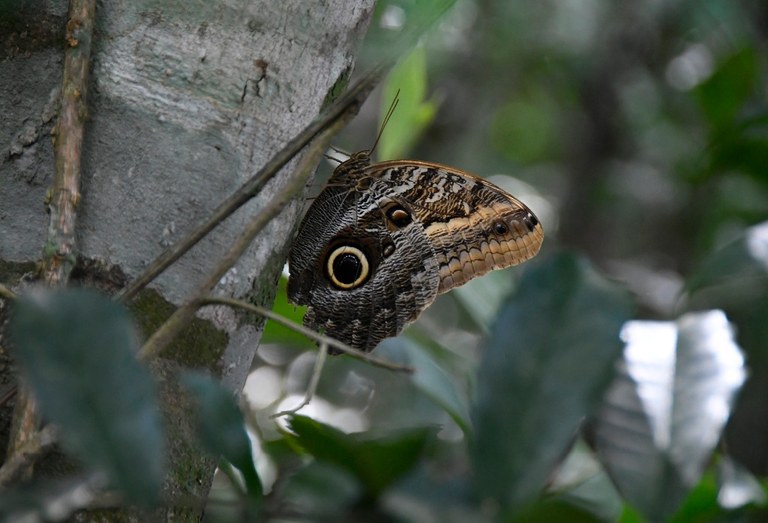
187,100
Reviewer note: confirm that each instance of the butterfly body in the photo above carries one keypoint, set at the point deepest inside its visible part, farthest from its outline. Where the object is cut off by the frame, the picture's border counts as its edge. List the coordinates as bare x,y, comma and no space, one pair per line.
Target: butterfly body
382,240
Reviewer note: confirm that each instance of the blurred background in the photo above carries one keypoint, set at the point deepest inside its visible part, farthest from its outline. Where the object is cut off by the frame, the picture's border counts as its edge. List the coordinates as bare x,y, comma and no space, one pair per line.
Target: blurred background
636,131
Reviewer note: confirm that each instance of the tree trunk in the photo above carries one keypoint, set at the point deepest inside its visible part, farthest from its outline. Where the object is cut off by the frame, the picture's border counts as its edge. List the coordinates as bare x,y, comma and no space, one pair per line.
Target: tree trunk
186,101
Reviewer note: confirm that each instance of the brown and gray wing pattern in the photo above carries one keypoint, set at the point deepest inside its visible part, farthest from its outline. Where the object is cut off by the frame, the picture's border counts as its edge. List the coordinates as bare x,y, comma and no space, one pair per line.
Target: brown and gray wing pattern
473,225
404,275
381,241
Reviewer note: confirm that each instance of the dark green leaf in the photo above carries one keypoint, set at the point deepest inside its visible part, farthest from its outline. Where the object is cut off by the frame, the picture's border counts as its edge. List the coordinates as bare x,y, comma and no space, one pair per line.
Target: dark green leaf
398,25
556,509
375,462
435,496
221,427
277,333
77,349
735,279
666,409
430,378
743,148
549,359
581,481
743,261
724,93
700,504
630,515
322,490
482,297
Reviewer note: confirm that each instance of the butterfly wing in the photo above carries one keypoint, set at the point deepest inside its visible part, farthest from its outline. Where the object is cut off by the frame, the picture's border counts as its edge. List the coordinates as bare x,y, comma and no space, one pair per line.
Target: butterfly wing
363,275
473,226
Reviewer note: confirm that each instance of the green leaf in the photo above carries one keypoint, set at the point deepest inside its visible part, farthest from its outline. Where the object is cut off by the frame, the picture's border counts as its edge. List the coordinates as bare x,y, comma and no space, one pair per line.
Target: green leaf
430,378
77,349
398,25
277,333
735,279
724,93
414,113
375,462
700,504
550,357
666,410
482,298
427,496
221,427
744,148
745,259
630,515
581,481
556,509
321,491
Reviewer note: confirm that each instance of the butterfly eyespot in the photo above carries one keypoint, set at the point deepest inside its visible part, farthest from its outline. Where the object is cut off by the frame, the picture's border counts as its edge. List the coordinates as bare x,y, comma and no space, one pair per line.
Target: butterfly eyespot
347,267
389,250
500,228
399,216
531,221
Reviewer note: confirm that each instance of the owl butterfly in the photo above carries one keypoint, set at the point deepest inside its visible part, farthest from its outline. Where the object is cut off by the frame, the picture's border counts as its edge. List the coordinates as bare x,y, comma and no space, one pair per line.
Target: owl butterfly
382,240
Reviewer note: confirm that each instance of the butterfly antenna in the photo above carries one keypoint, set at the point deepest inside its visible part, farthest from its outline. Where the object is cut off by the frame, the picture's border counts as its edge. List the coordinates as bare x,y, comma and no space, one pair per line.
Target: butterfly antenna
385,121
333,159
344,155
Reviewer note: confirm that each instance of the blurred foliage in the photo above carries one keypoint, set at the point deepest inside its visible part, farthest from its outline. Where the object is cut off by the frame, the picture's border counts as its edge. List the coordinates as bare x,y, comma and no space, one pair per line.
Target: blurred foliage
578,387
406,84
221,428
74,366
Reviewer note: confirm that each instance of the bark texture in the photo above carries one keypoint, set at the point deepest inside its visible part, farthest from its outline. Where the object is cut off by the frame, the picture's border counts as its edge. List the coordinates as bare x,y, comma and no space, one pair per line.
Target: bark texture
186,101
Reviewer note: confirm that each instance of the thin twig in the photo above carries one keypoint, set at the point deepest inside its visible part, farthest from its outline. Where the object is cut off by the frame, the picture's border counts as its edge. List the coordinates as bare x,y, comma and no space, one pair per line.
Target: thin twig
64,195
184,314
309,333
348,104
322,354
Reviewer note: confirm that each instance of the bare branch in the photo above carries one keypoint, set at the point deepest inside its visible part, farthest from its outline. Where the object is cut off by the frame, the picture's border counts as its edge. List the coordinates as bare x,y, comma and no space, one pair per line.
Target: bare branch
64,196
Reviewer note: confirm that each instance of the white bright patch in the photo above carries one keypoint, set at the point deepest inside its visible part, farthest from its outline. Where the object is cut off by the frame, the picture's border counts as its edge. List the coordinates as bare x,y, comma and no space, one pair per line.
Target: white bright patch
690,68
693,364
650,358
757,243
263,387
393,17
347,420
